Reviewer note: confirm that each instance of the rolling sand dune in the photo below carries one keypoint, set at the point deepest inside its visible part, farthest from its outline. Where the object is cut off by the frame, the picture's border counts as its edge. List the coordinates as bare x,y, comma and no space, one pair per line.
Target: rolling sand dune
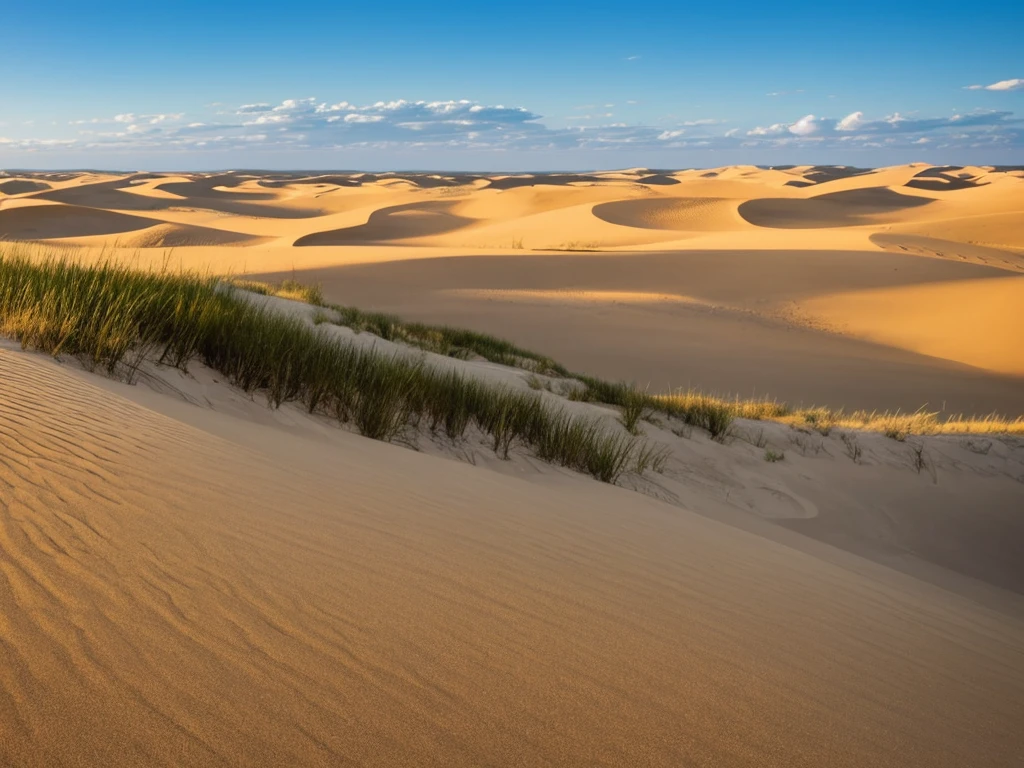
50,221
751,246
397,223
832,209
702,214
277,593
21,186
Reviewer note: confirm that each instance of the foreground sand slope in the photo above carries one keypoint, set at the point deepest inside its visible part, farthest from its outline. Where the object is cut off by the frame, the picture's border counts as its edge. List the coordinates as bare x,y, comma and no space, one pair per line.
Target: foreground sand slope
169,596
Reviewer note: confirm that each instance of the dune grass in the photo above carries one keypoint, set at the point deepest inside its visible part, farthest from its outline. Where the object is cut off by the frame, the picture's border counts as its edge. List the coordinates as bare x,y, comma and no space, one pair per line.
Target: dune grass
440,339
115,318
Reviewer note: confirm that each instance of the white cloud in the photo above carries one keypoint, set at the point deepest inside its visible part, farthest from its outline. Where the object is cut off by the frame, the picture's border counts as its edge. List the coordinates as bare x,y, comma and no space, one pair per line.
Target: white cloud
805,126
851,122
308,124
771,130
1003,85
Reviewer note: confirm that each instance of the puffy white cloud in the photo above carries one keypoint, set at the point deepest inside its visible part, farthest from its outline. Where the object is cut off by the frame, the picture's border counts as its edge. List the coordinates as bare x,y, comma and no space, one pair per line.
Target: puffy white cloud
666,135
1003,85
851,122
805,126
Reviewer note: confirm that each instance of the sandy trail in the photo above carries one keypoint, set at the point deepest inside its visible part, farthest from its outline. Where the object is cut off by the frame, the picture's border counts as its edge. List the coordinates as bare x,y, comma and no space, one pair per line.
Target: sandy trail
241,595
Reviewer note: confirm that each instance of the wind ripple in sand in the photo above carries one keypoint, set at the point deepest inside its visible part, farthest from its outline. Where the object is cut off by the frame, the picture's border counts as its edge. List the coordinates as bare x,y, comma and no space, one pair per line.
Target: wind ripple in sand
170,598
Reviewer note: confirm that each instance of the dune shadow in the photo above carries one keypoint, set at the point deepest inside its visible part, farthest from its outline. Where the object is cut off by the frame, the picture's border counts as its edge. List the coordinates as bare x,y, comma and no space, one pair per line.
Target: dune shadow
834,209
398,222
547,179
942,179
21,186
683,213
44,222
112,196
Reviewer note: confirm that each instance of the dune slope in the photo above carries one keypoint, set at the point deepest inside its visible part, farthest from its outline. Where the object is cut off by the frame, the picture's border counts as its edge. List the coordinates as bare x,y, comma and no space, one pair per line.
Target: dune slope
171,596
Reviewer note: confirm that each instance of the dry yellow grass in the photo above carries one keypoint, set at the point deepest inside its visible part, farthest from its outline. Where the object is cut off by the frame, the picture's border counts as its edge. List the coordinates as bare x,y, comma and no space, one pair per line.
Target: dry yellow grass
891,423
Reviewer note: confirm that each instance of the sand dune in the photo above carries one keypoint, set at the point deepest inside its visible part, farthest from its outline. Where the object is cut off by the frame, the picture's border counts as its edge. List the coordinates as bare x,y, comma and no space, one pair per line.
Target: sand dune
832,209
950,249
397,223
779,236
972,323
694,214
282,595
50,221
21,186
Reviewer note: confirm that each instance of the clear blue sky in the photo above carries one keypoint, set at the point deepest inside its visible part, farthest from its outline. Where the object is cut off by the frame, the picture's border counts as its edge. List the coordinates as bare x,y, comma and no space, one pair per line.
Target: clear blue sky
529,85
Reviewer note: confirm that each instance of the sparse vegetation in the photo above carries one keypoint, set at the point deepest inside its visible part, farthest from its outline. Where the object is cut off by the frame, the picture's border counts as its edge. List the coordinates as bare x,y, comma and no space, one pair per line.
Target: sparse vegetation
714,414
852,445
977,446
634,408
773,456
286,289
113,317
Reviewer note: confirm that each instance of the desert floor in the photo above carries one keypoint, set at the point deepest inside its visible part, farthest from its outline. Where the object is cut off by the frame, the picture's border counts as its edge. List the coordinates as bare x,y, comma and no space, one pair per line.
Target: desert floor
188,577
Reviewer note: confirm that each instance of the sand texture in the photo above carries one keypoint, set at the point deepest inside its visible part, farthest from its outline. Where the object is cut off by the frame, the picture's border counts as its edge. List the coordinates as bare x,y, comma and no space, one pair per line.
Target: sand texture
272,594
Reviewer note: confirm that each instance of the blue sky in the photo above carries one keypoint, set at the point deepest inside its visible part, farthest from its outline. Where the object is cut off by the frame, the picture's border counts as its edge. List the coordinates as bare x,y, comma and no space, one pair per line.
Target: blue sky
509,86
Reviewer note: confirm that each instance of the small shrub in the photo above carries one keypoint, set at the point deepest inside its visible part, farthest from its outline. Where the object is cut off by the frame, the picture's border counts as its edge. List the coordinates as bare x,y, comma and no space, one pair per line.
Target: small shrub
852,446
772,456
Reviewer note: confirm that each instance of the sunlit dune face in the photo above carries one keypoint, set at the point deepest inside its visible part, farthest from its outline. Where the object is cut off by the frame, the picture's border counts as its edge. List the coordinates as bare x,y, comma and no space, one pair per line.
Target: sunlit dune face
576,296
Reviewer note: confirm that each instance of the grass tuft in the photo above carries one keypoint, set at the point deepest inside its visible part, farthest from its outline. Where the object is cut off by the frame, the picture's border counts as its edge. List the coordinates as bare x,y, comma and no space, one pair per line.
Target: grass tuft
111,316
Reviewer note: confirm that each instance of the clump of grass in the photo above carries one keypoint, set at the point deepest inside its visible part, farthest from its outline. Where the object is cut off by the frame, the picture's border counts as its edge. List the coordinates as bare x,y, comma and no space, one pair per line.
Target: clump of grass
651,457
114,317
773,456
700,410
634,408
286,289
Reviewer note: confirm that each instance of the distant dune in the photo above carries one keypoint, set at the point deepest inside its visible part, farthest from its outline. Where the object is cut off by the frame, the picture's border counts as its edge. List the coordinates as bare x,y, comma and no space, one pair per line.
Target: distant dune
718,237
